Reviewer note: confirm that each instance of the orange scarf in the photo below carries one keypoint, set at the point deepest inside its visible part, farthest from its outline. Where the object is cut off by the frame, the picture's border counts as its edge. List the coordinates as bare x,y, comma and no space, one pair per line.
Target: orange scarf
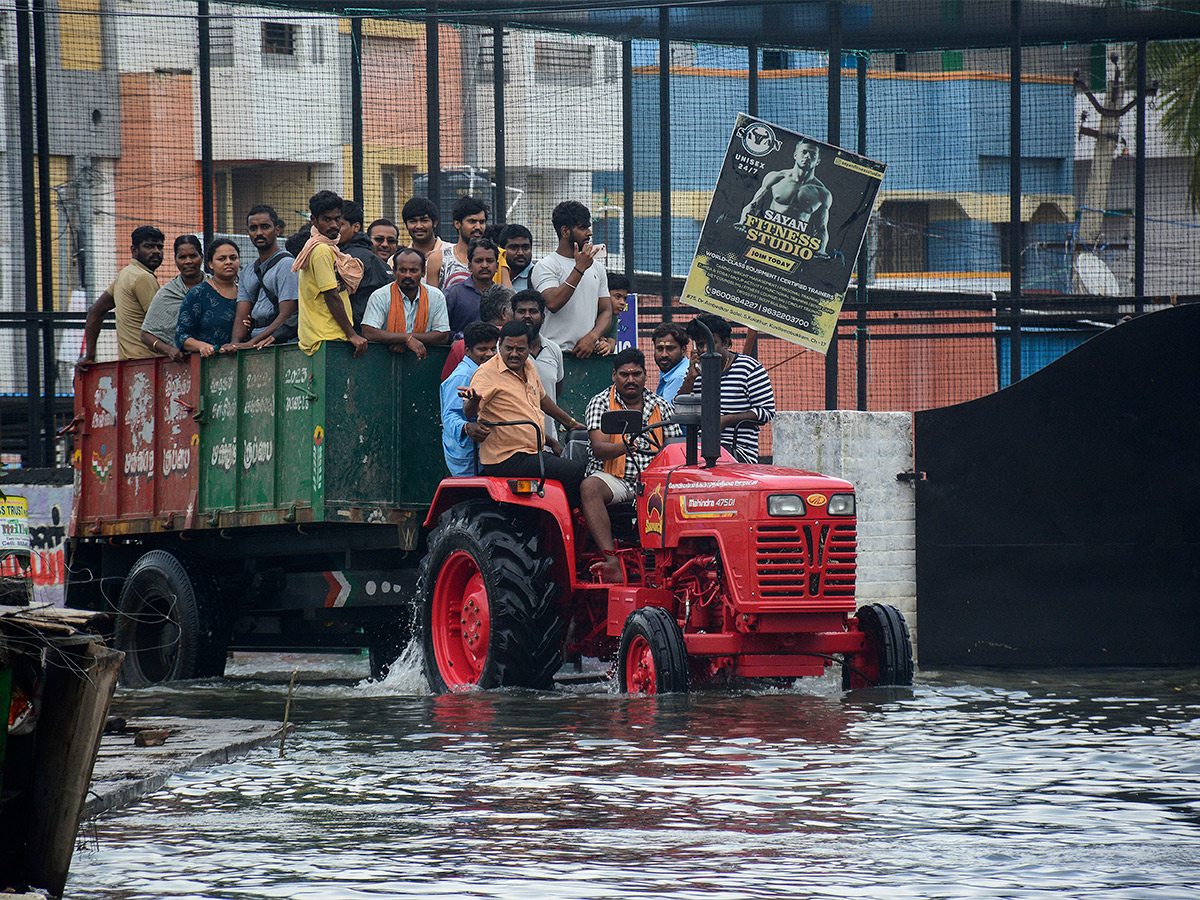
349,268
616,466
396,320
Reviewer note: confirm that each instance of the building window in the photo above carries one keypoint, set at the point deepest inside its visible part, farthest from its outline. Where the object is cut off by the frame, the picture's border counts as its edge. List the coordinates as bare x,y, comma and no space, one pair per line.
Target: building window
1006,243
902,228
485,62
220,41
278,39
317,41
389,193
564,65
612,63
774,60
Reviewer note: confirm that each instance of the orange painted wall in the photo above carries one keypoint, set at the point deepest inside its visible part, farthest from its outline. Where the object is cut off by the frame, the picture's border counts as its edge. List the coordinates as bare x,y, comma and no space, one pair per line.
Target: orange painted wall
157,177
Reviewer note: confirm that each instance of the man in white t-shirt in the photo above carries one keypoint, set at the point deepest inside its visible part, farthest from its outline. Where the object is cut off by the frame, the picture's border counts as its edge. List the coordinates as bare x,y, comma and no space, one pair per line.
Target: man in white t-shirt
574,284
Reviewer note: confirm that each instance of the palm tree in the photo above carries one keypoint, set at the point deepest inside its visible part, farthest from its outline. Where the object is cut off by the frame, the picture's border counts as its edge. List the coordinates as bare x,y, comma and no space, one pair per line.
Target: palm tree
1176,67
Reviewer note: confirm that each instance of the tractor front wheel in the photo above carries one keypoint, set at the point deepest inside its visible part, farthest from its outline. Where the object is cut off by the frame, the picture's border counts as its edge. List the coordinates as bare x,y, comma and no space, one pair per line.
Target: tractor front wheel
489,611
653,656
887,659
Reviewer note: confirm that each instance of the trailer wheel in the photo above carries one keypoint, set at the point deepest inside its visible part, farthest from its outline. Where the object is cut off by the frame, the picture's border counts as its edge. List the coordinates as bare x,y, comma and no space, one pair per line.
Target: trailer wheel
653,655
888,658
169,621
489,616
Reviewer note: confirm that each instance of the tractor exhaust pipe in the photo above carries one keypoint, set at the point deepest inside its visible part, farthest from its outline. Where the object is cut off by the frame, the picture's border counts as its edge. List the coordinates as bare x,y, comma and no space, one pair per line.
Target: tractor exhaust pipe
710,404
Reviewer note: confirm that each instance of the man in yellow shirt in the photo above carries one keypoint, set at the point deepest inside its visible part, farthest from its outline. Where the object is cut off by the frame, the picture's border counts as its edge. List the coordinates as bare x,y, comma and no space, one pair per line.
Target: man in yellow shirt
327,276
130,295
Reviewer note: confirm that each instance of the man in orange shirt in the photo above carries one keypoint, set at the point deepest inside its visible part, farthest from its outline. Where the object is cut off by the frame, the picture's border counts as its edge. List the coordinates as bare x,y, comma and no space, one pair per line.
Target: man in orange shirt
507,388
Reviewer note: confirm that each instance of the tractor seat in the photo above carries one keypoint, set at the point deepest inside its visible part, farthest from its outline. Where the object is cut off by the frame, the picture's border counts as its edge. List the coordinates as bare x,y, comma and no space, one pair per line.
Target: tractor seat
576,446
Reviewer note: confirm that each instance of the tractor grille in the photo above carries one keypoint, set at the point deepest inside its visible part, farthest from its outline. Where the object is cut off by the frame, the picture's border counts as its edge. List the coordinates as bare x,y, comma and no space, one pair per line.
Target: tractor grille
805,561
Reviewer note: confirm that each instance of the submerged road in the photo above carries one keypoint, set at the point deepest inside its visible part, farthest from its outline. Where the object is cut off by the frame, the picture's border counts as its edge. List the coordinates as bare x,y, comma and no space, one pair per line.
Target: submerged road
975,783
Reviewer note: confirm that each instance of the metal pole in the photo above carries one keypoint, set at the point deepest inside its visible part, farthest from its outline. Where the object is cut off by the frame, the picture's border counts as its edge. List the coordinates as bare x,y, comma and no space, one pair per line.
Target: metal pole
498,118
207,200
627,187
1139,181
664,155
356,112
433,113
864,262
45,229
33,388
1015,244
752,80
834,136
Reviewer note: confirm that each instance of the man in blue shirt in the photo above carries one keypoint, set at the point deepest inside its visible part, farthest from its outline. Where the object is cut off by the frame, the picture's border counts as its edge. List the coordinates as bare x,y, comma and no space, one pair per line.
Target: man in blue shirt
459,434
462,298
670,343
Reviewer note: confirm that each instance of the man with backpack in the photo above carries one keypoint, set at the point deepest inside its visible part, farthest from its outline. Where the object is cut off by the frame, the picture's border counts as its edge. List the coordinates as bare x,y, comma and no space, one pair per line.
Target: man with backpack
268,291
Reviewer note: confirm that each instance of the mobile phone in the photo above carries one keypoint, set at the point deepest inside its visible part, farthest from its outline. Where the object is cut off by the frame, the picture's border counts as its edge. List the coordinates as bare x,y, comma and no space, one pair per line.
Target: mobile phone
601,251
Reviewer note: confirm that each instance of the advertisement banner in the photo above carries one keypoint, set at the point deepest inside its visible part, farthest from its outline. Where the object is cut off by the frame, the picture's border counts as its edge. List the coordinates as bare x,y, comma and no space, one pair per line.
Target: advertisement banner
14,526
783,232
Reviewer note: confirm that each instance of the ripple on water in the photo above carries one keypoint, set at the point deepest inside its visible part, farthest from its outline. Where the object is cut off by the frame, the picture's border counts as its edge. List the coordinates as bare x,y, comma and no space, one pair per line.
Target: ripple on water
970,785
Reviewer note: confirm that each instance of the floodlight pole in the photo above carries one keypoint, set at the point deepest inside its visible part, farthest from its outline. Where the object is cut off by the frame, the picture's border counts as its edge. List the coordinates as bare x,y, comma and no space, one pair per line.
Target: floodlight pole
33,388
834,136
1139,182
1015,243
356,111
627,186
664,155
433,119
500,212
863,264
206,124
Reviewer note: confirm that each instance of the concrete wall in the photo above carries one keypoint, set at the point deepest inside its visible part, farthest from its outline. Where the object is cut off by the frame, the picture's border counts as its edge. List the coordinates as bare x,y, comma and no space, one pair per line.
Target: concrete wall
868,449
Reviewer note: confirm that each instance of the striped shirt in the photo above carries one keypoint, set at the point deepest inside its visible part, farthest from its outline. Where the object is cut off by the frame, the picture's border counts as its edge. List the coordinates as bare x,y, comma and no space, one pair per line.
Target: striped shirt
745,387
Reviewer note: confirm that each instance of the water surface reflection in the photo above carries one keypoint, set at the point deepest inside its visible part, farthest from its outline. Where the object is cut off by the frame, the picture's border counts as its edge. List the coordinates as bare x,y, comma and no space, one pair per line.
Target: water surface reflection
973,784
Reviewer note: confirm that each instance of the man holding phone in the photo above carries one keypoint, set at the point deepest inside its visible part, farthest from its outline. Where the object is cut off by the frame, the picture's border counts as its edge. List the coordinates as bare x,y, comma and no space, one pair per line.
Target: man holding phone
574,284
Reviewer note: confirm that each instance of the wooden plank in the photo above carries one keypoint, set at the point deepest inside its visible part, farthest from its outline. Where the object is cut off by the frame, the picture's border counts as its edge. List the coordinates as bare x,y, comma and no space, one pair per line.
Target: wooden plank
79,688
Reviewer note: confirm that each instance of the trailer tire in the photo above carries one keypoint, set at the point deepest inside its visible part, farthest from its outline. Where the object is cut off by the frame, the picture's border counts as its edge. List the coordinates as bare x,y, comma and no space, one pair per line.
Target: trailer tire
489,610
169,621
888,658
653,656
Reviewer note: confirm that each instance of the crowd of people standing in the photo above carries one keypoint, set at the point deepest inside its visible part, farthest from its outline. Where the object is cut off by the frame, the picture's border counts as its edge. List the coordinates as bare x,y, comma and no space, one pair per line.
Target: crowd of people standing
508,322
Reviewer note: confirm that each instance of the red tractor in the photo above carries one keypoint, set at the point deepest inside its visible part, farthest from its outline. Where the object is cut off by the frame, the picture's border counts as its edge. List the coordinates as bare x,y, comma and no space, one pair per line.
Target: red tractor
732,570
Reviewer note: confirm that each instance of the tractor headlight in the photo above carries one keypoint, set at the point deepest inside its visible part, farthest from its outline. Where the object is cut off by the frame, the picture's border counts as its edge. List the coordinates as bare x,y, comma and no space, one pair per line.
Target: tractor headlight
841,505
785,505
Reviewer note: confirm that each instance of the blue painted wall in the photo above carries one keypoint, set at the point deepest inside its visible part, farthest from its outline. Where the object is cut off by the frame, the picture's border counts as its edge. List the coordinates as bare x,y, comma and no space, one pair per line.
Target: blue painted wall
948,135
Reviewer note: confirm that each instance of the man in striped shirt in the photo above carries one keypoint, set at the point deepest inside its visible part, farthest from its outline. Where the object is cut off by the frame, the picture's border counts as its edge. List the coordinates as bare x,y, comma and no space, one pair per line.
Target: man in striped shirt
747,398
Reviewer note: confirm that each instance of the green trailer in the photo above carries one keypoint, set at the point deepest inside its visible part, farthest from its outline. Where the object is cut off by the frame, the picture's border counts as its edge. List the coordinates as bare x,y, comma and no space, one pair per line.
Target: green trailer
262,500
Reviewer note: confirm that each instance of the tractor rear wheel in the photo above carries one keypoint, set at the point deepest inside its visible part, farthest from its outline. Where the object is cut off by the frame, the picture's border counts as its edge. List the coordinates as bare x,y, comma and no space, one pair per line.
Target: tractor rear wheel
489,611
653,655
169,621
887,659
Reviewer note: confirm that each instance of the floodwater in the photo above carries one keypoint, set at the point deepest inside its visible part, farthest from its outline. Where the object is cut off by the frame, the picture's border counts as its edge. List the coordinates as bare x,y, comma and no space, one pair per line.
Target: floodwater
1070,783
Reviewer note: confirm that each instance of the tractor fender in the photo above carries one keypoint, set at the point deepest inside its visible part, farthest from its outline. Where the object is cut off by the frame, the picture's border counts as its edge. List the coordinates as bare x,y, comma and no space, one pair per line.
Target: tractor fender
553,511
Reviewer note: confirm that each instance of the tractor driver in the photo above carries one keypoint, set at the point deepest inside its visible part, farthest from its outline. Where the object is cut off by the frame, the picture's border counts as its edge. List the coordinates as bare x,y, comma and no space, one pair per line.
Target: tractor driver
612,473
507,388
